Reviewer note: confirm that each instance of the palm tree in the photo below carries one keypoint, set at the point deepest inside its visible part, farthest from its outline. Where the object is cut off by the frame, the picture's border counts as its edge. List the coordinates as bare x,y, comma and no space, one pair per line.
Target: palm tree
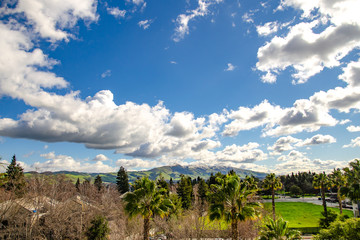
272,182
323,182
230,202
147,201
338,180
278,230
352,186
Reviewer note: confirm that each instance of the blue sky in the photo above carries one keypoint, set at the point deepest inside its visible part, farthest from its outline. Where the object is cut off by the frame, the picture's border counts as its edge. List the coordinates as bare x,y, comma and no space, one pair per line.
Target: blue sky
90,86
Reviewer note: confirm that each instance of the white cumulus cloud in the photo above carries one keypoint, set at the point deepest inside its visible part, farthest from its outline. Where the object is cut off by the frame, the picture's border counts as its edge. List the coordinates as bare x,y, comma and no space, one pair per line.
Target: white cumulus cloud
307,51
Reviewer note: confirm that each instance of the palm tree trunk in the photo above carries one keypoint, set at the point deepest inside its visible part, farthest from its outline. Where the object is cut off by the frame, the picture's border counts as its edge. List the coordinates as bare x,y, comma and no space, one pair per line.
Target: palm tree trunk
273,202
234,230
340,203
323,200
146,228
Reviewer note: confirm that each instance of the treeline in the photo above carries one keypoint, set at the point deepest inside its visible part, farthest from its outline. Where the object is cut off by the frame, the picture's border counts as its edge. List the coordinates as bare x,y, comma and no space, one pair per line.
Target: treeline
301,180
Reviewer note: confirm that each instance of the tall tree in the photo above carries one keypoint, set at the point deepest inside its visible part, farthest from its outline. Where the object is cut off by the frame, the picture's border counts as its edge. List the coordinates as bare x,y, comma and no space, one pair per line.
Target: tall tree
203,190
322,181
122,181
98,183
77,185
185,191
2,175
272,182
15,180
171,182
147,201
352,186
339,181
230,201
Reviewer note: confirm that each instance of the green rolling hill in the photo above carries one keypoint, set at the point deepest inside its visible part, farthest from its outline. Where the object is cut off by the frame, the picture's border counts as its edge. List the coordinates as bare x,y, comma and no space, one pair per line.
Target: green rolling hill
167,172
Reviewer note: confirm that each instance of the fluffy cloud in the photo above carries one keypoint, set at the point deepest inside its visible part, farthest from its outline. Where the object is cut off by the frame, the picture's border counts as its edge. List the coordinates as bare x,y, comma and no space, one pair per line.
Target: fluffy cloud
283,144
50,17
100,157
289,143
303,116
317,139
296,161
247,118
182,21
267,28
67,163
353,128
307,51
137,163
136,130
245,154
351,74
354,143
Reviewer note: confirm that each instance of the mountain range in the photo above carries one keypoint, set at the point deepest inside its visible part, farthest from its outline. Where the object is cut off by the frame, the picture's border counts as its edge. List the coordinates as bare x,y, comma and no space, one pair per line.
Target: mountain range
167,172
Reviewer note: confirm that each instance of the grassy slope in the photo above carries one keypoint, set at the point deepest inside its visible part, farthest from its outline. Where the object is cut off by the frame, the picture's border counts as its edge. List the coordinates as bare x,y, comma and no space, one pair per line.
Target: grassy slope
301,214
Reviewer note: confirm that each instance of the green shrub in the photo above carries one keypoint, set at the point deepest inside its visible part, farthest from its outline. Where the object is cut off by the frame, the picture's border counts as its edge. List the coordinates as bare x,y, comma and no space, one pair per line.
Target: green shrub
99,229
331,217
349,229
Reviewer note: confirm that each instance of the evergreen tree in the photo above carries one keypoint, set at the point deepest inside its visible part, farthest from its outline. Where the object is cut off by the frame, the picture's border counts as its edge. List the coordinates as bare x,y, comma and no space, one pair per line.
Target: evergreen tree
185,191
211,180
203,190
98,230
163,185
2,175
77,185
98,183
171,182
122,181
15,180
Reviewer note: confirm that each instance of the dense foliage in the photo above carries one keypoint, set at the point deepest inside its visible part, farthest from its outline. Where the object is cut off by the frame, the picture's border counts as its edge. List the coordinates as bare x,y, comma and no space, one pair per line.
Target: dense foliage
231,202
304,180
341,230
122,181
99,229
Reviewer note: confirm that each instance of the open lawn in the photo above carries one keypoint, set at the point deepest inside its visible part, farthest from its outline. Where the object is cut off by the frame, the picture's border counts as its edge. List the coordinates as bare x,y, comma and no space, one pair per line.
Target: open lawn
300,215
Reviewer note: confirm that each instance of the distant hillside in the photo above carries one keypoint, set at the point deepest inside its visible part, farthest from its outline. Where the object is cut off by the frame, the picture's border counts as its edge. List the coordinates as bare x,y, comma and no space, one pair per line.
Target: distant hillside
168,172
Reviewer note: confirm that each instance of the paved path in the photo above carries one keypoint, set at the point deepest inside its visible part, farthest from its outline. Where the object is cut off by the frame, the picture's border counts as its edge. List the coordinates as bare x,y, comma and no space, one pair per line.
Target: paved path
313,200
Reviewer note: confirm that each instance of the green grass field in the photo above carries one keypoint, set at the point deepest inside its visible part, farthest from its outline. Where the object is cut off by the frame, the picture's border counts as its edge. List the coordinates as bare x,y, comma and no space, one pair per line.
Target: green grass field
300,215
